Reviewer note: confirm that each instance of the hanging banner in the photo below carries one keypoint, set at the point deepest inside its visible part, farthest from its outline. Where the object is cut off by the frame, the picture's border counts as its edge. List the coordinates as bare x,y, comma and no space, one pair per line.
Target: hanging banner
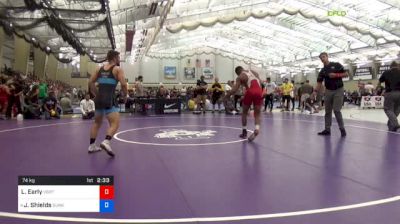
363,73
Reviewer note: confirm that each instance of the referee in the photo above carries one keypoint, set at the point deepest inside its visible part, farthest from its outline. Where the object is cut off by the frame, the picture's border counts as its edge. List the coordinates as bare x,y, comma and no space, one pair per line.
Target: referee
392,95
331,74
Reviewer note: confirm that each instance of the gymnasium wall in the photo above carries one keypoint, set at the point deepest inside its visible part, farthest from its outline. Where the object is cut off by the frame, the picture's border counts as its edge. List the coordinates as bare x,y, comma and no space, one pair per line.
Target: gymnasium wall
152,69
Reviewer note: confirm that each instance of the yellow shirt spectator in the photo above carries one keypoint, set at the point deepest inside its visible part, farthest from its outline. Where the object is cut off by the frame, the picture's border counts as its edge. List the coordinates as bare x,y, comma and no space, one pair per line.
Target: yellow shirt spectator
287,88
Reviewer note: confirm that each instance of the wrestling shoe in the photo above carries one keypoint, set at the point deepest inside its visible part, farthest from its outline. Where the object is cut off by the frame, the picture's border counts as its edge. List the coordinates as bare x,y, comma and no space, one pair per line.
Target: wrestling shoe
106,146
93,148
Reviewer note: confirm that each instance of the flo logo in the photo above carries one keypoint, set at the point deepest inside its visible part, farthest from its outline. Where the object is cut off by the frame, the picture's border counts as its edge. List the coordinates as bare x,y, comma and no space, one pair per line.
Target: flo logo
181,134
337,13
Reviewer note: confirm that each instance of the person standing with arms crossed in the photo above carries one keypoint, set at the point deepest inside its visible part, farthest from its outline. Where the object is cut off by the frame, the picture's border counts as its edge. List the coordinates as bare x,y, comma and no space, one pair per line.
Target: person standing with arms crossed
107,78
217,92
331,74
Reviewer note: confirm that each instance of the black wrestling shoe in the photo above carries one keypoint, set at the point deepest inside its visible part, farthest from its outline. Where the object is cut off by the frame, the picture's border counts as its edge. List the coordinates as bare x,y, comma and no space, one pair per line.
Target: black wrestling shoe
324,132
343,132
244,134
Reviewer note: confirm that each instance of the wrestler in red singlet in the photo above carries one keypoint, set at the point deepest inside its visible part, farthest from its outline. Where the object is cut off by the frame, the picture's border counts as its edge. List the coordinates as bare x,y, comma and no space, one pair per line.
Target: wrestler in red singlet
253,95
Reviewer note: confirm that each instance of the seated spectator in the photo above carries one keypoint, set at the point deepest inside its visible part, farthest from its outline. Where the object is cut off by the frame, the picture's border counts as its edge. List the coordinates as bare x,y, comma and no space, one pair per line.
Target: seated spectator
87,107
43,90
306,92
369,88
66,104
32,106
50,107
162,92
310,103
379,90
229,106
354,97
192,104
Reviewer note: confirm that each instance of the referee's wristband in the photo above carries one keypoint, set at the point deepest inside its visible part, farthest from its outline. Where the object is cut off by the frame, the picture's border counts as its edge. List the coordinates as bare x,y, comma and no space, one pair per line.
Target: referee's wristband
338,75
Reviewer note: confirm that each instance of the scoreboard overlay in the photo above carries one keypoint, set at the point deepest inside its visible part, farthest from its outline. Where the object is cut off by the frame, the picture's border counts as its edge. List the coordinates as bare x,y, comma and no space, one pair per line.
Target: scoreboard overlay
66,194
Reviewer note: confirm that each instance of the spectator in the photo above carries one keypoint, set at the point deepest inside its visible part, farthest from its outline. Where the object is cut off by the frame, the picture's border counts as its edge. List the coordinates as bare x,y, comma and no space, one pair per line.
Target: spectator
184,97
287,89
42,91
217,92
32,106
361,89
130,100
74,94
309,103
269,97
66,104
16,91
293,95
237,98
80,94
192,104
228,86
139,90
298,92
379,90
4,94
201,92
87,107
50,107
306,91
369,88
355,97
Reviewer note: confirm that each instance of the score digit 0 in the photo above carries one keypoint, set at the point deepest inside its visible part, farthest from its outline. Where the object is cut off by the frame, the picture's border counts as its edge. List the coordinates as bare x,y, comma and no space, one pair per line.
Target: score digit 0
106,192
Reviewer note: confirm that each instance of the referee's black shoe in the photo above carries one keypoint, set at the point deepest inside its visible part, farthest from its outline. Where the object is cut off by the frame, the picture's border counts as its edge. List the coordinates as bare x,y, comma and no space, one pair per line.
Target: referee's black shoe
324,132
343,132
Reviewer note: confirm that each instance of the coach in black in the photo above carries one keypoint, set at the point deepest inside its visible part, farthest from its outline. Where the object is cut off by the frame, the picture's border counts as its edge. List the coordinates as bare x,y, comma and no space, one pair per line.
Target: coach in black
392,95
331,74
